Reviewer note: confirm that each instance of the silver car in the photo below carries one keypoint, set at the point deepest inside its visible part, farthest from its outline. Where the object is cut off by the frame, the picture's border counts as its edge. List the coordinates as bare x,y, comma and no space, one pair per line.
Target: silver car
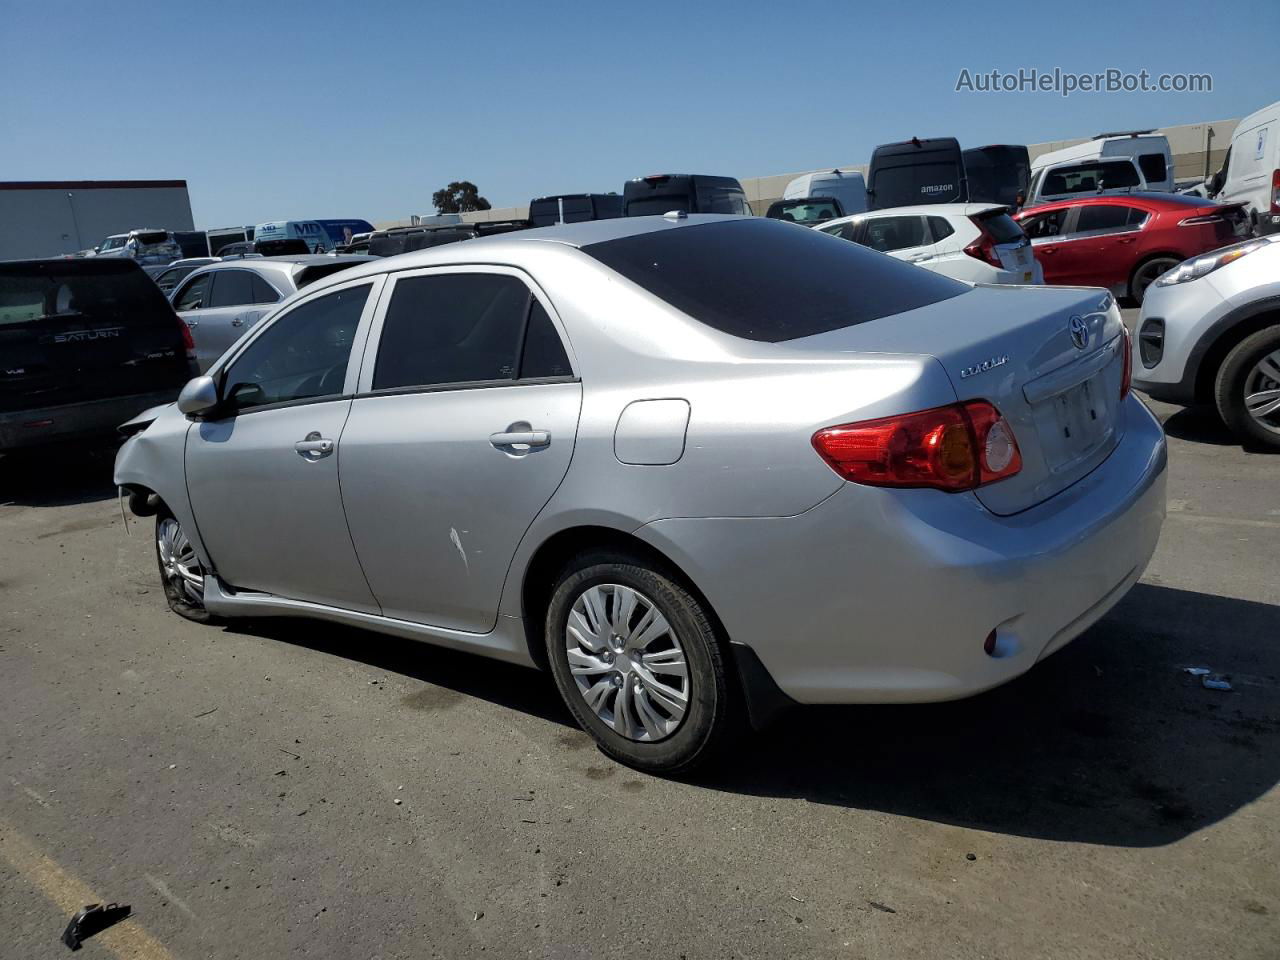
691,465
1210,333
223,301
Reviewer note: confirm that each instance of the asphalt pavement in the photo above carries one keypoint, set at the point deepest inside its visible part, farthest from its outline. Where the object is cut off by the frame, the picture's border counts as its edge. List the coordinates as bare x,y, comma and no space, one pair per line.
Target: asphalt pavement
296,789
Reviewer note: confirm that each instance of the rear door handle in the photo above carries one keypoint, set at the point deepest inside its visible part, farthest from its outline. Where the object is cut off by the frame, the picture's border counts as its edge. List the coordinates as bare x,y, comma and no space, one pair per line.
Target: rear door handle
314,447
193,323
237,321
528,438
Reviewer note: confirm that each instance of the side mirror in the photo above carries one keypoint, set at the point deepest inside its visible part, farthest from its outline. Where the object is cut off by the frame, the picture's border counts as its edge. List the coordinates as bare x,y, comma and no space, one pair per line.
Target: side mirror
199,397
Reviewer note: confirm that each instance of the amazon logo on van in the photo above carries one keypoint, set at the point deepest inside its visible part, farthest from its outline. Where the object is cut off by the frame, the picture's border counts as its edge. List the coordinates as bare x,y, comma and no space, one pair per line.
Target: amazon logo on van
938,188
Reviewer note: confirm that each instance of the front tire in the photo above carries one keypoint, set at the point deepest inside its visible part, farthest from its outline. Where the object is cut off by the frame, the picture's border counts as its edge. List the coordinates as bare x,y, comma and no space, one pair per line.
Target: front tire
639,664
1247,389
1145,275
180,570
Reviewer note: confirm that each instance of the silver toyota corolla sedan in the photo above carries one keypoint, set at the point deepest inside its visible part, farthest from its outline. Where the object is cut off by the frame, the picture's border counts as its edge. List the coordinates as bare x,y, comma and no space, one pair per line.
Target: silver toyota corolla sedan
694,466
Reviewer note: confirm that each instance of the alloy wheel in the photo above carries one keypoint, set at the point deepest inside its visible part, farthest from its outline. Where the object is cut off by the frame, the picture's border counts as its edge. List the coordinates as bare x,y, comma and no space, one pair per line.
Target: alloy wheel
627,662
1262,391
178,560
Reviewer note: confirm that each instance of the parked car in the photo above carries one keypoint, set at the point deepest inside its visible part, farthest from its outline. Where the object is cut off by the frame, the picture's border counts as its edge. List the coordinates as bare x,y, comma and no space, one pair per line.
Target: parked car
806,211
1124,243
1109,163
169,278
687,193
222,302
85,344
1210,333
153,250
977,242
631,455
222,237
241,248
574,208
850,188
1000,173
915,172
1250,173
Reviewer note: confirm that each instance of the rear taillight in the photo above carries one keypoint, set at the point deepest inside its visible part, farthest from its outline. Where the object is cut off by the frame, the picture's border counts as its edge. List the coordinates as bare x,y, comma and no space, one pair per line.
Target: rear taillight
187,342
984,248
1208,218
1275,191
1126,369
953,448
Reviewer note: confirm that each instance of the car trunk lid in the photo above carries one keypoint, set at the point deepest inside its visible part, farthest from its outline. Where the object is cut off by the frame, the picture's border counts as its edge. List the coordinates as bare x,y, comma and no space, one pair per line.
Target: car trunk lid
1050,359
73,331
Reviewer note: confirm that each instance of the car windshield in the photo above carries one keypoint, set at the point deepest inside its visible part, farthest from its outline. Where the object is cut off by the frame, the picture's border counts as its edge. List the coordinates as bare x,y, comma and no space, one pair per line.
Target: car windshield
767,281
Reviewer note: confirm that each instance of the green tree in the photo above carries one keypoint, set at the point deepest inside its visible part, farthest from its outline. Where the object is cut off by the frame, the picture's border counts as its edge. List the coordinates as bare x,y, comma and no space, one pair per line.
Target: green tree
461,196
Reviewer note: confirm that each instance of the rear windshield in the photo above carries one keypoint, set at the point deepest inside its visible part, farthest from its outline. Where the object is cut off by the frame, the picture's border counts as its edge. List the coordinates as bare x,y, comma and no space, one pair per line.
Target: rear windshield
805,211
763,280
1090,178
922,183
79,294
314,272
1001,227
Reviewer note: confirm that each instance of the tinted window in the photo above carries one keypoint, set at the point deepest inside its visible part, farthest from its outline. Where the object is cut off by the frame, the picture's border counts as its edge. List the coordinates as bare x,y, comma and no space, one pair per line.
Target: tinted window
894,233
544,354
764,280
721,198
922,183
301,355
1044,225
656,206
231,288
451,328
171,278
1090,177
263,292
940,229
1100,218
804,211
193,296
1002,228
1153,167
845,231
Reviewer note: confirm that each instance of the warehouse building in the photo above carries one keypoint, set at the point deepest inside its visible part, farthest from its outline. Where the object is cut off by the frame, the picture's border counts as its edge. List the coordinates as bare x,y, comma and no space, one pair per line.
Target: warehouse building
55,217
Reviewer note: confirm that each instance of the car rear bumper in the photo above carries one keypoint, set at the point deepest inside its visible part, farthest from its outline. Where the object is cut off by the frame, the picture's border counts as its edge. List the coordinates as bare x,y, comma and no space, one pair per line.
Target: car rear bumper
95,418
879,595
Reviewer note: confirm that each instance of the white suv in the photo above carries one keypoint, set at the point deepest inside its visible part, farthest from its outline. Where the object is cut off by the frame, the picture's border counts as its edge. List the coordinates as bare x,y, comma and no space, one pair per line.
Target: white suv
1210,333
977,242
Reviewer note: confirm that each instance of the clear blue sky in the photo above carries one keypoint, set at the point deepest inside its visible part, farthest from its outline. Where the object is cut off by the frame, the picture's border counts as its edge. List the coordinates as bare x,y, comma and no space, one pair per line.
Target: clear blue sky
275,109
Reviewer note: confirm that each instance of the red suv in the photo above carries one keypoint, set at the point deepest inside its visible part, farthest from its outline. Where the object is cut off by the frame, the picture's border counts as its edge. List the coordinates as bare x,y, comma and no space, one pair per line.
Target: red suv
1123,242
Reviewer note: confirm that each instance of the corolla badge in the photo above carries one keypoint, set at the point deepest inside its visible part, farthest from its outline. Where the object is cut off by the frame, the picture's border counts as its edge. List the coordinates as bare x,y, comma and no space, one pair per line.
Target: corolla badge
984,366
1079,332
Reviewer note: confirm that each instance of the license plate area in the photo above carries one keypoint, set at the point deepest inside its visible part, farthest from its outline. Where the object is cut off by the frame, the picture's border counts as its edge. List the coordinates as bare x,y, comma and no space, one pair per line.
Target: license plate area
1074,423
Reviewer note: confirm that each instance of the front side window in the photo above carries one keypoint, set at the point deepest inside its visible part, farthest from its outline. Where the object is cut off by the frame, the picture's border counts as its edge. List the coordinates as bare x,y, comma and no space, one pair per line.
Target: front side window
194,296
1045,226
451,328
112,243
231,288
303,355
895,233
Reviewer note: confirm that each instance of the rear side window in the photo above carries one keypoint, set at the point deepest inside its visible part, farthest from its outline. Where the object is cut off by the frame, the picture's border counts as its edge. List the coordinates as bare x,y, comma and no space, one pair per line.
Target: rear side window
1104,218
263,292
1153,166
544,354
940,228
767,281
451,328
231,288
887,234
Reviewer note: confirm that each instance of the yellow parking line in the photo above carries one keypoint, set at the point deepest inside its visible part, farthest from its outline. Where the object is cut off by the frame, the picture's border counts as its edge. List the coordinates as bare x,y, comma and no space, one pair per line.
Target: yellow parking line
126,940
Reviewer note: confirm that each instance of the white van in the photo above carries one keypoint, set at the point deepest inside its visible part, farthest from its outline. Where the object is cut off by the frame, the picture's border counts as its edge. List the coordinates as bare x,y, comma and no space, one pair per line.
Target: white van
1251,172
1109,163
309,231
849,188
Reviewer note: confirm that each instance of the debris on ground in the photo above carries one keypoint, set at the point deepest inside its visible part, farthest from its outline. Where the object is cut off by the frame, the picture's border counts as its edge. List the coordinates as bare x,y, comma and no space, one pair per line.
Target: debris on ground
92,919
1197,671
479,916
1215,683
881,907
971,856
397,801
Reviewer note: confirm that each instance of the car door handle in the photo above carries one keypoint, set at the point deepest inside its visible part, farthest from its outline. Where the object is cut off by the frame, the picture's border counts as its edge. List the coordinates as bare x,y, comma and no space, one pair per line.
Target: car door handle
193,323
1126,240
314,447
237,321
529,438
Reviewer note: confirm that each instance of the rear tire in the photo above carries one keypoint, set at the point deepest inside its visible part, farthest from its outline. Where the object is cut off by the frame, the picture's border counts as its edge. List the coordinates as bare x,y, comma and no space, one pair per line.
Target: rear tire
1247,387
652,685
180,569
1145,274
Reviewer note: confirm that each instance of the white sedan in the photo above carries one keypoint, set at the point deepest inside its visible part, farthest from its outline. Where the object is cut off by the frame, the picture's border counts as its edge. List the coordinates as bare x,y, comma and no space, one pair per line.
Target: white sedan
977,242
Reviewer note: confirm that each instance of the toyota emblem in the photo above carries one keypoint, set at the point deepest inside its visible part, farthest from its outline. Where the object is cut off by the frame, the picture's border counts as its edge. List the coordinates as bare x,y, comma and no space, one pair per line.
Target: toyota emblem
1079,332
